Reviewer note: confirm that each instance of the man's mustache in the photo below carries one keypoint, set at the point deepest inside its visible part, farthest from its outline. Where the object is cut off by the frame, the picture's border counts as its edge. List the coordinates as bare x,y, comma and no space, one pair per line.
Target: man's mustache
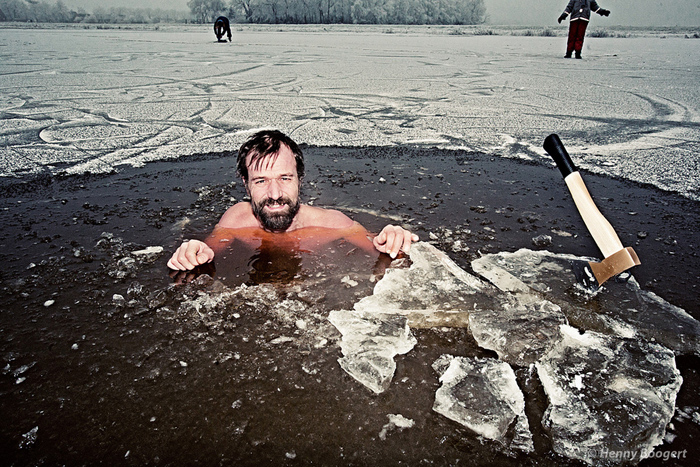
276,202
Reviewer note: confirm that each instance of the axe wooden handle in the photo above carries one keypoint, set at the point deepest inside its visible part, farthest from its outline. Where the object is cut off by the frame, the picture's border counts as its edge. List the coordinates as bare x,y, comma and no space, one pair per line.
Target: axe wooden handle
600,229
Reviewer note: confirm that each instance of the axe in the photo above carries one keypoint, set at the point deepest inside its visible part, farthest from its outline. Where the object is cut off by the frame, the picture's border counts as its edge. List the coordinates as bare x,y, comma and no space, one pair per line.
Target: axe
617,258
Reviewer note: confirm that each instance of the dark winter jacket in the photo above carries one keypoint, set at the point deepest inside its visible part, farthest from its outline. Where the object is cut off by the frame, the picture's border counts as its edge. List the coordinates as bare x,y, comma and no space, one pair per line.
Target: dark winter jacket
581,9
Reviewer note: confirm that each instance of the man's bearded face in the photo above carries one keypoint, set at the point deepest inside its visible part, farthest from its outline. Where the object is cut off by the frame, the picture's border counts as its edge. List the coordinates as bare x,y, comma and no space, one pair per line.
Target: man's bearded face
278,220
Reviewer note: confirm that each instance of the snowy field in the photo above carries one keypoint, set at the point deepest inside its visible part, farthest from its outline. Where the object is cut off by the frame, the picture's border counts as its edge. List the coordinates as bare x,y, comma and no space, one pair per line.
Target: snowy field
90,100
116,144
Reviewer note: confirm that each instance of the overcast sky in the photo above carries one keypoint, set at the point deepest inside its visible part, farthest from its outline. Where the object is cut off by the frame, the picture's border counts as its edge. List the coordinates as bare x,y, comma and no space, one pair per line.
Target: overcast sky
515,12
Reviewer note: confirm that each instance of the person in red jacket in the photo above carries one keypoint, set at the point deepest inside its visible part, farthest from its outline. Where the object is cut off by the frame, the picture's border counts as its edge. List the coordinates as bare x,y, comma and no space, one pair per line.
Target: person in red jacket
580,11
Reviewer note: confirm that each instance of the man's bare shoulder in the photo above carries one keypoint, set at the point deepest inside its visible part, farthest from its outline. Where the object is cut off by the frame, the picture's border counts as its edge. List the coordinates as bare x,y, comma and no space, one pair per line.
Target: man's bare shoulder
312,216
240,215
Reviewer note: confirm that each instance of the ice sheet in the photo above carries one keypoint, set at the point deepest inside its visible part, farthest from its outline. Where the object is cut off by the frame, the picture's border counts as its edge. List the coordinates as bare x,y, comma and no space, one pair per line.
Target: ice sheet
622,309
520,328
433,291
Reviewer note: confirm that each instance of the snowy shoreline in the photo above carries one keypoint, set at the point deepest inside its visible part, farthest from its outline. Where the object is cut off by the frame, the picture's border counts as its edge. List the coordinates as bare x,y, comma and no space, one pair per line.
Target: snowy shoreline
88,100
615,31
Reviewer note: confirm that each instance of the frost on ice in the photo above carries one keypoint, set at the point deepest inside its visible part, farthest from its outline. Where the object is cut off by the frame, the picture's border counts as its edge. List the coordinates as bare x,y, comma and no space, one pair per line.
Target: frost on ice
607,394
483,395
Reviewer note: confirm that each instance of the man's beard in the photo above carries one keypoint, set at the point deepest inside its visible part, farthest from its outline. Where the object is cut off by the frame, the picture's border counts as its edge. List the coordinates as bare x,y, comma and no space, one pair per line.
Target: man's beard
277,222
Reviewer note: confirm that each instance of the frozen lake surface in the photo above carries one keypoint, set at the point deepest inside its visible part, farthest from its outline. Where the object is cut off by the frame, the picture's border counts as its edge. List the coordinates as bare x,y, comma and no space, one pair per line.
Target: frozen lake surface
107,358
89,100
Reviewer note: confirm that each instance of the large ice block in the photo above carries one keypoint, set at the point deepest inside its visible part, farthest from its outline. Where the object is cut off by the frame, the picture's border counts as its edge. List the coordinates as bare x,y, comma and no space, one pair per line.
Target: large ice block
608,395
483,395
618,308
433,291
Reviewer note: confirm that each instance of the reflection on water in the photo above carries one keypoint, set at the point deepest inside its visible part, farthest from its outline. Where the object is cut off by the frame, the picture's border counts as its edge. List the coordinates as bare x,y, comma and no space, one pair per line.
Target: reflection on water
272,263
310,258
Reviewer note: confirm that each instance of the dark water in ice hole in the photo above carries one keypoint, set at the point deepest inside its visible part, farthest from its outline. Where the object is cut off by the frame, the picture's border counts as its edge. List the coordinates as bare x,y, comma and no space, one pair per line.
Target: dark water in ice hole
144,383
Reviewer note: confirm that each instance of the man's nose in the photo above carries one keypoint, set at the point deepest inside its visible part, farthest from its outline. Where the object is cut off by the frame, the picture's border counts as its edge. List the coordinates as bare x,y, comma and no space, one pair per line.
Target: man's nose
274,189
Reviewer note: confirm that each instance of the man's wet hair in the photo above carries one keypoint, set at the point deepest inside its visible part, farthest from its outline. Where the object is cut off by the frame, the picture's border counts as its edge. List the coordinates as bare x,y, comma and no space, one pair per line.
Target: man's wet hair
263,144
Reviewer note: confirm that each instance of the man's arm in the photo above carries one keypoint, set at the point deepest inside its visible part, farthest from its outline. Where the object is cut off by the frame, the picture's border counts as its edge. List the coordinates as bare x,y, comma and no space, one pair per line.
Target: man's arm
193,253
390,240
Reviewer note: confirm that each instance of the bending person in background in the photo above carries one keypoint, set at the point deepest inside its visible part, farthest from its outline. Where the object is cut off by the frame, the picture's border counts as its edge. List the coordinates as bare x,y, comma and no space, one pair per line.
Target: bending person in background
221,27
580,11
272,167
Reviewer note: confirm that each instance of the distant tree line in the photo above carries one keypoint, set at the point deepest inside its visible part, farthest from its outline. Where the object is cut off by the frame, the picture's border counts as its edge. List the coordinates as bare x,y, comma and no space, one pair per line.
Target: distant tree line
342,11
259,11
44,12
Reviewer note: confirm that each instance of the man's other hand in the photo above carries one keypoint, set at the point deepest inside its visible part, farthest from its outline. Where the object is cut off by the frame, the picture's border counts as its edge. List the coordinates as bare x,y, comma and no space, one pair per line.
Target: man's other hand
190,255
393,239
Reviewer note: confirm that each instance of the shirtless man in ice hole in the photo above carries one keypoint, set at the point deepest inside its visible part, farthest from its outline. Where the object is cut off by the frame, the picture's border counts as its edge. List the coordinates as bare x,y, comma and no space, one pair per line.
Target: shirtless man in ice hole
272,167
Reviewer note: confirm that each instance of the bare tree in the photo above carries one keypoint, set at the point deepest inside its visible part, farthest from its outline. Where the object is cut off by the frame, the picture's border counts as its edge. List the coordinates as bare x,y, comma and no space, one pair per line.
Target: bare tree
206,11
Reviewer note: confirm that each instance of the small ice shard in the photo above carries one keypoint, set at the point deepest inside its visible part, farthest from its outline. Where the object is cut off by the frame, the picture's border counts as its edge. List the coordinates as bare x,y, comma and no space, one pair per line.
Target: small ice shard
607,395
433,291
150,253
542,241
396,422
282,340
29,438
483,395
621,309
369,345
118,299
348,282
520,330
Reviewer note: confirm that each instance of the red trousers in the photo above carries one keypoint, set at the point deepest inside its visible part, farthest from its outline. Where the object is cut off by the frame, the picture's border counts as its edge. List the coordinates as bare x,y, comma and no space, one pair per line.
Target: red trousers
577,31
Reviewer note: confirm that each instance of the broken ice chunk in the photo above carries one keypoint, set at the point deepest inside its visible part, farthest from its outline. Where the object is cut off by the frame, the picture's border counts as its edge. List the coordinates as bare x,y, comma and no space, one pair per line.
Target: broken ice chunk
29,438
434,291
148,253
621,309
396,422
520,330
483,395
607,395
369,345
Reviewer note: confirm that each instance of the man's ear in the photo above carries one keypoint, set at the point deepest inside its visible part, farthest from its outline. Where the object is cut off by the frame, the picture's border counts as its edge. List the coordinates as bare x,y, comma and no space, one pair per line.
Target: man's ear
245,184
